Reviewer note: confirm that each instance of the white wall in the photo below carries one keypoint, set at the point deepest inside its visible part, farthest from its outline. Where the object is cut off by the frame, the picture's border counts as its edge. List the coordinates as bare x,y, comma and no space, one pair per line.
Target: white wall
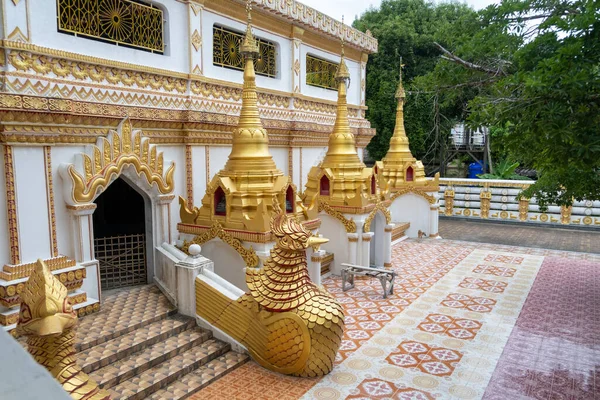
175,153
32,203
377,241
333,230
280,156
414,209
198,174
282,82
228,265
218,158
44,33
353,95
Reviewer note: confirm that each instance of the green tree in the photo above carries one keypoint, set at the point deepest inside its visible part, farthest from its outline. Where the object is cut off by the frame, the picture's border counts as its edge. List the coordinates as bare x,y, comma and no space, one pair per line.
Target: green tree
533,69
406,28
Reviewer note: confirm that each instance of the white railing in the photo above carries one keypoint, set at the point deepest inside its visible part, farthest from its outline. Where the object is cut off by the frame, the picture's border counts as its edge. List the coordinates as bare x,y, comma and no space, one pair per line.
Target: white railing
497,199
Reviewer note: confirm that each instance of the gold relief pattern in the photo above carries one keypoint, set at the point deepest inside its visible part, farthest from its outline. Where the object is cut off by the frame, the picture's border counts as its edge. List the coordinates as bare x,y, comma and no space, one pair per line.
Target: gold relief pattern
189,177
122,22
486,197
565,214
196,40
523,209
384,210
48,319
449,202
12,272
146,160
349,224
431,199
248,255
287,323
227,52
51,209
11,206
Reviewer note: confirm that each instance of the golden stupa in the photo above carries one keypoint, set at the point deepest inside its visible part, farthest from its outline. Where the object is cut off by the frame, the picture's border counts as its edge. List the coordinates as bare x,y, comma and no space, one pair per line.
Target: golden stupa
399,168
241,195
342,179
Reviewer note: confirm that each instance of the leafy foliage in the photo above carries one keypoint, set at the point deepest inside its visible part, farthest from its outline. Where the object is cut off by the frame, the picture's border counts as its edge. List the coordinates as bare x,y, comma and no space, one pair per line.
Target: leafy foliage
504,170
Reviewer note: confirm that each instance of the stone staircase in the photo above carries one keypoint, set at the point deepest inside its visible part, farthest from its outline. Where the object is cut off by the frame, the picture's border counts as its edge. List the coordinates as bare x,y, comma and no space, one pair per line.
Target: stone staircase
138,347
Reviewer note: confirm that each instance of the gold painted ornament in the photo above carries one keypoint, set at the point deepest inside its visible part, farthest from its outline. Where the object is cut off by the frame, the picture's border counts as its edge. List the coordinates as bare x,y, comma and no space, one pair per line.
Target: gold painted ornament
48,319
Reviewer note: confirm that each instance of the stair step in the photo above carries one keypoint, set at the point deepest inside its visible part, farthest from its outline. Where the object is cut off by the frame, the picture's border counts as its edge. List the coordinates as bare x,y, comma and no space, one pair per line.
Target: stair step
154,379
123,312
202,377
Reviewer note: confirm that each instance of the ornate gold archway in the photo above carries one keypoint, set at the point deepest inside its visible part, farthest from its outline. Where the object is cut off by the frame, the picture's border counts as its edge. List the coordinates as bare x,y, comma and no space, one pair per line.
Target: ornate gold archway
106,159
379,207
429,198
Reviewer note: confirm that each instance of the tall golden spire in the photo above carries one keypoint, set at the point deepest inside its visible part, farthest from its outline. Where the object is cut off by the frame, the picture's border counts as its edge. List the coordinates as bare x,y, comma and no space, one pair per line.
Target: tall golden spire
342,146
399,146
250,148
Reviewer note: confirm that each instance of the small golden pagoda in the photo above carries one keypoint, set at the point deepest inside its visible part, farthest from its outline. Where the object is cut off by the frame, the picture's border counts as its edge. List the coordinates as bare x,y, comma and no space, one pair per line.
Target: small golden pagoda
241,195
342,179
399,168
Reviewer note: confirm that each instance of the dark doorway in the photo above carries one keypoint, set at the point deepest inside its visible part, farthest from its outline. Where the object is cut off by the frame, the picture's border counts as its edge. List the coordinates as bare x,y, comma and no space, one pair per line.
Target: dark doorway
119,236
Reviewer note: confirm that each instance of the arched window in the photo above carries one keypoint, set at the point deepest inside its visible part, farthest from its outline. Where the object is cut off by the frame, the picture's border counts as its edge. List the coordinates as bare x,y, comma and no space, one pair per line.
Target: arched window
324,186
373,185
220,202
289,200
409,174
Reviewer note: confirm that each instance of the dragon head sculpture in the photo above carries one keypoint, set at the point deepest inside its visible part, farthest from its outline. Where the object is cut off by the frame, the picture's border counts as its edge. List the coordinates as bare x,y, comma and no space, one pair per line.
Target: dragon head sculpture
45,307
291,234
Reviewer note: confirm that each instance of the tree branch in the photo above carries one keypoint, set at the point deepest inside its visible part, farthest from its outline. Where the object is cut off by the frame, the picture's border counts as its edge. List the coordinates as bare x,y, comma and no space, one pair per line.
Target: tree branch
455,59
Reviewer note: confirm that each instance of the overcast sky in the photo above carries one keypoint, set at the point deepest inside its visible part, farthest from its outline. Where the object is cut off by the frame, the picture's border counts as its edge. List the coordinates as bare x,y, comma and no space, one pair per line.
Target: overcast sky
352,8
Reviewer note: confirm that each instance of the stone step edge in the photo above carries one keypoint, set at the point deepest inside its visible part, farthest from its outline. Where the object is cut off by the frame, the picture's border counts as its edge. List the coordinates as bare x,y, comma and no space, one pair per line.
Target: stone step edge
86,345
149,362
124,353
175,375
165,393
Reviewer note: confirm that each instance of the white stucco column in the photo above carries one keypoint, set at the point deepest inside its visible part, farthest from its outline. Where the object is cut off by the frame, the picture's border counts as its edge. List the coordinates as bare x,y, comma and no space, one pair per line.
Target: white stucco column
387,245
434,218
195,10
187,271
297,34
352,249
82,228
366,249
314,266
164,219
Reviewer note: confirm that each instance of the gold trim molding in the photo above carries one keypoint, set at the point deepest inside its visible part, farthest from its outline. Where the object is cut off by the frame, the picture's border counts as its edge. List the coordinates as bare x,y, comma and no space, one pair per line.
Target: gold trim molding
216,230
349,224
105,161
11,206
384,210
413,190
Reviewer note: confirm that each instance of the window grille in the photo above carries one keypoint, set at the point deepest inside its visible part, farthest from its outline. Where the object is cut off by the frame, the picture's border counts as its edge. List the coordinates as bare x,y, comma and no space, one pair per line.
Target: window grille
122,22
320,72
226,52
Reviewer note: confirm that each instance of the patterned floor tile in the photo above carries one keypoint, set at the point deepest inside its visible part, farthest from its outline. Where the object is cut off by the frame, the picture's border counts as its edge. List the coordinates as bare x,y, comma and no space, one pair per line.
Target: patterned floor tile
491,286
471,303
494,270
432,360
459,328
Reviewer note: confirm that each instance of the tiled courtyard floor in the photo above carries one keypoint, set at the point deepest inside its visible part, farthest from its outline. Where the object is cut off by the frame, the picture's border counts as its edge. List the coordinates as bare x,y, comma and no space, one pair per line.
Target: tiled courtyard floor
466,321
521,235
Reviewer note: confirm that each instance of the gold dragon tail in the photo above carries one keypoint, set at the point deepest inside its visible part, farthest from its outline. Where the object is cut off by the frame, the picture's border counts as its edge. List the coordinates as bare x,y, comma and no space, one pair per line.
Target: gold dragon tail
277,341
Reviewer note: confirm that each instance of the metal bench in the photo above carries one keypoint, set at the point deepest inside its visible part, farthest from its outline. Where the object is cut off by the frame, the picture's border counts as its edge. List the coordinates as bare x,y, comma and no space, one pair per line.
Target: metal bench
349,271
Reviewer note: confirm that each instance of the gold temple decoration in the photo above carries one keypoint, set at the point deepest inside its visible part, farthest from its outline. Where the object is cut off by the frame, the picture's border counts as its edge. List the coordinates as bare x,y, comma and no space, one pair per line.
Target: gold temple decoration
11,206
448,202
349,224
485,198
381,207
399,168
106,160
248,255
227,52
565,214
342,179
48,319
241,195
523,209
122,22
320,73
286,322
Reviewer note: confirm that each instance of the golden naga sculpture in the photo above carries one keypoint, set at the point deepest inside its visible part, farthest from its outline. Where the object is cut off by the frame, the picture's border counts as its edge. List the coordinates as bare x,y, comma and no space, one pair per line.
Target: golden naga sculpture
399,168
286,322
342,179
241,195
48,319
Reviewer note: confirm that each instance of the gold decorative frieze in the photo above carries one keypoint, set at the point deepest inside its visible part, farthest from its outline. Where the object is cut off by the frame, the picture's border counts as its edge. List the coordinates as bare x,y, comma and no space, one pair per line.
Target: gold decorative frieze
216,230
485,203
50,194
18,271
380,207
565,214
448,202
189,175
106,160
414,190
523,209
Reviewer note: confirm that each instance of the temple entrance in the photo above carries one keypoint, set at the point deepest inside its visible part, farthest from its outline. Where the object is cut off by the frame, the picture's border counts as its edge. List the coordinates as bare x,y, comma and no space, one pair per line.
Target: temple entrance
120,236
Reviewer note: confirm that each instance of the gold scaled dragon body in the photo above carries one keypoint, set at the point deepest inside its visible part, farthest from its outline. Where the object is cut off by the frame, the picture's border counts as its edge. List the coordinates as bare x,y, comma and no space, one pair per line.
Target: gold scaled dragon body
48,319
286,322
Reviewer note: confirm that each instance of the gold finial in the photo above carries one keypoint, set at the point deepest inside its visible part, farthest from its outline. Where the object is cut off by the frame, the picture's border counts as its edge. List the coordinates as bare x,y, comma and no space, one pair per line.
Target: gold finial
342,73
400,93
342,36
249,46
